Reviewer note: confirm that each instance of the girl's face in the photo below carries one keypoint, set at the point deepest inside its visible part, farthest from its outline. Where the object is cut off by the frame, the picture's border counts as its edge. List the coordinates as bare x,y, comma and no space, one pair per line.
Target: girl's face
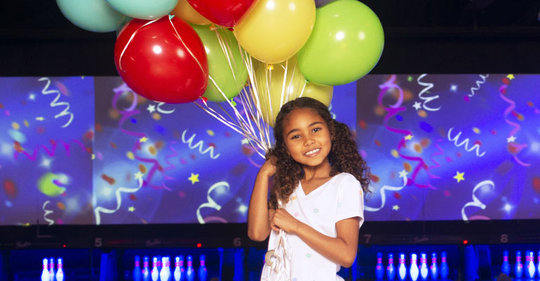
307,137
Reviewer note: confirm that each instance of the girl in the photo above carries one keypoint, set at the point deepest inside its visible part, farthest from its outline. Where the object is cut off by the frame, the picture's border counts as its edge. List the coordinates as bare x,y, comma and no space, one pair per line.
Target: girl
317,194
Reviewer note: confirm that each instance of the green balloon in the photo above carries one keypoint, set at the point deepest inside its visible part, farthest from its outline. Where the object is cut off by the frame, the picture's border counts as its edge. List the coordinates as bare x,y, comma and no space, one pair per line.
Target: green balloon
345,44
226,69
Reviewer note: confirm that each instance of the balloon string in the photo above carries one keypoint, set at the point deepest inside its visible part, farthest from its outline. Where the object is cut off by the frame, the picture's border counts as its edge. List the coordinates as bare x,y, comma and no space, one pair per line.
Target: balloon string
131,39
187,48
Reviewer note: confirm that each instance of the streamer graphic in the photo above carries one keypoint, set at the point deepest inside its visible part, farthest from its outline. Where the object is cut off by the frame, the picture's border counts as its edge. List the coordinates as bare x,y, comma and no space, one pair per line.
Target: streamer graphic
47,212
163,111
118,194
198,145
478,85
127,113
476,202
211,203
382,190
55,102
52,151
464,143
392,111
440,151
426,100
517,147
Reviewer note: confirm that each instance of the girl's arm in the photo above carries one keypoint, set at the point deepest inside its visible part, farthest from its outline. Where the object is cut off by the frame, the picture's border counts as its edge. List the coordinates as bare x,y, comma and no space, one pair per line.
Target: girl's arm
341,250
258,214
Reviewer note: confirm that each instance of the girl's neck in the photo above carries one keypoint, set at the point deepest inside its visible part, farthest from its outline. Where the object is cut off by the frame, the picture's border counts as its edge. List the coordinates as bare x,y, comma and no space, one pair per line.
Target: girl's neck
318,172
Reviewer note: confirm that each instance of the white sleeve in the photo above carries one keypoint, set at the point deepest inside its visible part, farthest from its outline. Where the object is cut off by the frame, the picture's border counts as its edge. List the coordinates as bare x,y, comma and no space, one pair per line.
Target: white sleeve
350,199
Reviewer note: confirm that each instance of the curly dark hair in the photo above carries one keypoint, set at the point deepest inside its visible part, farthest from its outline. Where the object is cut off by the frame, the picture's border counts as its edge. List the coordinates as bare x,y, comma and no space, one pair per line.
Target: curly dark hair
343,156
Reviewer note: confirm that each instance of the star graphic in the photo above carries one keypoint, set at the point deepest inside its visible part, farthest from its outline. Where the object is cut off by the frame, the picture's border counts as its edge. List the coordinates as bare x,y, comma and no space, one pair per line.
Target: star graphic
395,207
245,141
510,76
151,108
131,209
408,137
403,174
32,97
138,175
417,105
143,139
453,88
510,139
194,178
459,176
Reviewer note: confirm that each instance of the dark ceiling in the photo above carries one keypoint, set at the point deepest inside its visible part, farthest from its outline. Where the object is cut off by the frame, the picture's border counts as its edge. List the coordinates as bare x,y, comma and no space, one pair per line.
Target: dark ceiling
439,36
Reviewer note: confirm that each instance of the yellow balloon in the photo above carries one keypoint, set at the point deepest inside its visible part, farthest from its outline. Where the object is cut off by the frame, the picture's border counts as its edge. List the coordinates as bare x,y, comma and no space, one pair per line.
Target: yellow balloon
276,85
272,31
184,11
322,93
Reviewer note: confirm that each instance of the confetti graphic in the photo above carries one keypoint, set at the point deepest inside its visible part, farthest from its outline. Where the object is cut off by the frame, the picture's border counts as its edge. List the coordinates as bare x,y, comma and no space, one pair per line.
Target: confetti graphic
46,143
478,134
393,110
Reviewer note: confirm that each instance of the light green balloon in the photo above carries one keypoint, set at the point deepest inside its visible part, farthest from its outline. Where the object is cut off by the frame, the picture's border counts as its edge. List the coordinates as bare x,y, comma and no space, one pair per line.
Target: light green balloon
345,44
91,15
143,9
226,69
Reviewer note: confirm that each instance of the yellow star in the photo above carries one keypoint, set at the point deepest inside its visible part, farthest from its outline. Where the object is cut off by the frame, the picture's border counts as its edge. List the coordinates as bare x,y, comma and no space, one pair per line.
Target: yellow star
459,176
138,175
131,209
395,207
194,178
408,137
510,76
143,139
245,141
93,156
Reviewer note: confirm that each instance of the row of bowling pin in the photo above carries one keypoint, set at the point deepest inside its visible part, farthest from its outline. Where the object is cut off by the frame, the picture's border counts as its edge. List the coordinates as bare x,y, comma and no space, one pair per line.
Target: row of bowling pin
48,273
414,271
529,269
161,269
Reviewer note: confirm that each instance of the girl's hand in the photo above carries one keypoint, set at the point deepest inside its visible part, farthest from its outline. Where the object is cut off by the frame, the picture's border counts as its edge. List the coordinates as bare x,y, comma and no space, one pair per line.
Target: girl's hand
269,167
281,219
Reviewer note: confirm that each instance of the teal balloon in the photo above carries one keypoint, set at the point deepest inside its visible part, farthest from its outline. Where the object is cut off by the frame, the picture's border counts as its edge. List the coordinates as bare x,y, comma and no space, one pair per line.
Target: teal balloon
346,43
226,70
91,15
143,9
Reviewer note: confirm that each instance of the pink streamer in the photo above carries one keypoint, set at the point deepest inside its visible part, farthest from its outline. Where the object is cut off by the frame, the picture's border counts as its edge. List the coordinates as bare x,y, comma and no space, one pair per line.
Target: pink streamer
52,151
517,146
392,111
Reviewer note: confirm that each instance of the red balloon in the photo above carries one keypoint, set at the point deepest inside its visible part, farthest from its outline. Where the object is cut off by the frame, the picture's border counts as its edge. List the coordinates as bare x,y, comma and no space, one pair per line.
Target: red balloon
163,60
223,12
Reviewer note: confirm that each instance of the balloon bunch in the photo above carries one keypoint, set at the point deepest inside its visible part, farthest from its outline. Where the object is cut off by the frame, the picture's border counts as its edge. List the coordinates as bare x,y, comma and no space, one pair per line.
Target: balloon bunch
239,60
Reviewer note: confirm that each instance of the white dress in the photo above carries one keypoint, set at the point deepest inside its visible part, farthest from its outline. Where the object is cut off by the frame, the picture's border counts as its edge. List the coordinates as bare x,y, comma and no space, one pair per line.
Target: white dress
339,198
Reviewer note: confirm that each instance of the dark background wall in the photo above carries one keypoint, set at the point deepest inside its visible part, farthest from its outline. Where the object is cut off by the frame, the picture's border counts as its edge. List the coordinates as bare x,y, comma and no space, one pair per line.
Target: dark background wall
436,36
